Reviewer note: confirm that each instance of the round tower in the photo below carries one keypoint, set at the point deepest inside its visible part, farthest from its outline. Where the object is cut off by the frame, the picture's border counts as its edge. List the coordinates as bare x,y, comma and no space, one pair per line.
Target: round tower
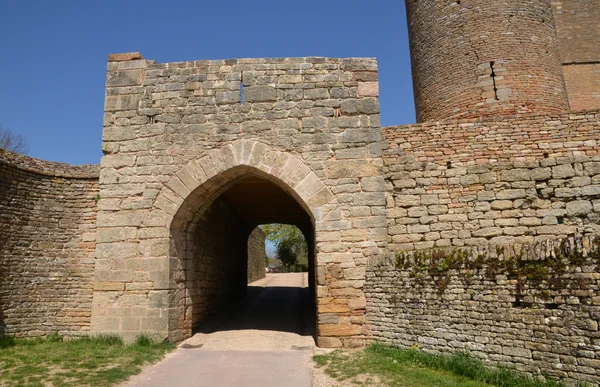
482,58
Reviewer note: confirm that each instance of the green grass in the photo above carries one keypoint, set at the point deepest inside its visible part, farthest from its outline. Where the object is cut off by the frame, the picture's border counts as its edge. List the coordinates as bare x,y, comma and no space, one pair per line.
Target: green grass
410,367
89,361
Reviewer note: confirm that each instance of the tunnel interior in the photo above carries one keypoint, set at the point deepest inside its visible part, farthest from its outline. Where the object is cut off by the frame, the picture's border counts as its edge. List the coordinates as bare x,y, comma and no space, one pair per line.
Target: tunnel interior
212,247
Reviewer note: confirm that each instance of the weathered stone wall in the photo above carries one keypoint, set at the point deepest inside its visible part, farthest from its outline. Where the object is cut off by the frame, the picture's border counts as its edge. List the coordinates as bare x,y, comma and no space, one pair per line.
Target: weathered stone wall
535,308
579,38
519,179
256,255
489,187
577,29
583,85
177,133
481,58
216,272
47,246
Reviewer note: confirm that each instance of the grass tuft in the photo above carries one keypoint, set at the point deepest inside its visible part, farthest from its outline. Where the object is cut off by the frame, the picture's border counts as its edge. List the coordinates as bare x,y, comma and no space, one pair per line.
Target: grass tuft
107,339
7,341
144,341
54,337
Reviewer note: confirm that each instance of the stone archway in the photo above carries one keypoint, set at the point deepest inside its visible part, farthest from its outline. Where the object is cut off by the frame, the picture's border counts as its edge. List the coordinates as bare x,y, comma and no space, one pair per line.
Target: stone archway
153,301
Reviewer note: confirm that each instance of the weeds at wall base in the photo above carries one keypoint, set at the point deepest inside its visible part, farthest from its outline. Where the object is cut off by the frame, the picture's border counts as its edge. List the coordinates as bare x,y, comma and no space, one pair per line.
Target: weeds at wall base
390,364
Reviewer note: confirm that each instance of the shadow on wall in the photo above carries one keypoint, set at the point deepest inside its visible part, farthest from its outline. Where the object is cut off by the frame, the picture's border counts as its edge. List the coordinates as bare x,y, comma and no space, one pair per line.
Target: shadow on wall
2,324
283,309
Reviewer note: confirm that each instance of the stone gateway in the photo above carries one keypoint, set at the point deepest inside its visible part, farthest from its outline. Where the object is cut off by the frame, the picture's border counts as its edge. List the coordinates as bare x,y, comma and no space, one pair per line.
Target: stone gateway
475,229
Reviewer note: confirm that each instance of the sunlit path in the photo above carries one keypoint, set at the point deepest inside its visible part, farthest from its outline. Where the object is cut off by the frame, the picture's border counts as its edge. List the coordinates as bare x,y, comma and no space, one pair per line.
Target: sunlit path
264,340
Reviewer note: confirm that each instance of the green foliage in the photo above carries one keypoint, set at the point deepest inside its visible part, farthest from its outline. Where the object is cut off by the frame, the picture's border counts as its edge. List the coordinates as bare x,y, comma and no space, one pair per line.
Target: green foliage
286,255
414,367
290,244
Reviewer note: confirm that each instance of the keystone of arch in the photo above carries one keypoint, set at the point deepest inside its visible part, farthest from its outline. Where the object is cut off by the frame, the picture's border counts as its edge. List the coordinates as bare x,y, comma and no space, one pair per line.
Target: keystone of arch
299,180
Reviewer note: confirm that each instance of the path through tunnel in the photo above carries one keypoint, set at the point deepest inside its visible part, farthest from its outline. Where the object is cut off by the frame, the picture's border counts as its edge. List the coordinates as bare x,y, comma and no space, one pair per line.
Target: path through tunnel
212,265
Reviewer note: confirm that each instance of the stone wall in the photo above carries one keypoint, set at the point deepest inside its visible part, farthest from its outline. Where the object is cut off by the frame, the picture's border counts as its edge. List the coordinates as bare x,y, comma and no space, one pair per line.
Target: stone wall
216,273
516,179
177,133
256,255
535,308
583,85
577,29
579,38
482,58
47,246
463,197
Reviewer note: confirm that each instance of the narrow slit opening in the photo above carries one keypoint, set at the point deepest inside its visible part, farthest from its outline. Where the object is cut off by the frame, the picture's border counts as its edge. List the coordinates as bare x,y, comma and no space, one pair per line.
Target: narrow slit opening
242,89
493,75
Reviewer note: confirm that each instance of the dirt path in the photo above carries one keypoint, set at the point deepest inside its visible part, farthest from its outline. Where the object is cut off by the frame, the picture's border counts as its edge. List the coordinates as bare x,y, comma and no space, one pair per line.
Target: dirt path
263,341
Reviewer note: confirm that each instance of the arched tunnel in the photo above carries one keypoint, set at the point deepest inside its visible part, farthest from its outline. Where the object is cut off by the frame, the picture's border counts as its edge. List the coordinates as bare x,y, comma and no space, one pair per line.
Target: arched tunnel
211,251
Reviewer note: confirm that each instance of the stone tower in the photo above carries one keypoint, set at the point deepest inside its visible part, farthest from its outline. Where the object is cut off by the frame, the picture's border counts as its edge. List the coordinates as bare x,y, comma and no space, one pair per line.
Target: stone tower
482,58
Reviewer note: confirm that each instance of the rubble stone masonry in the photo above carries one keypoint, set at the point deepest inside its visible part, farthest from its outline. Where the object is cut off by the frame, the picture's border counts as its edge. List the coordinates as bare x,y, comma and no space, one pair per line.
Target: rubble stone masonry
534,307
501,181
485,187
47,246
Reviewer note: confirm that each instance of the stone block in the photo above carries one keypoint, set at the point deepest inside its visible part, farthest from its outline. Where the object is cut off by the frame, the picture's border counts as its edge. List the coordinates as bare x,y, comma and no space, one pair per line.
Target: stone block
333,308
309,186
113,275
579,208
115,103
454,218
360,106
116,250
515,175
501,204
124,78
261,93
518,352
368,89
337,330
564,171
511,194
109,286
338,169
559,229
126,56
154,324
329,342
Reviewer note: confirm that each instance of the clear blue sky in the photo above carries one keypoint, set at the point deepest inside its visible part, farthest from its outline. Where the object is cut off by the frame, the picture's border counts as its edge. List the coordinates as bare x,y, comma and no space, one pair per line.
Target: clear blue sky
53,54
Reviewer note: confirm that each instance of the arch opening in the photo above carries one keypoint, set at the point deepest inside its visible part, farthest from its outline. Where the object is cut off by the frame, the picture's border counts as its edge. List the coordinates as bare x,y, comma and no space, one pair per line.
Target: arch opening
211,260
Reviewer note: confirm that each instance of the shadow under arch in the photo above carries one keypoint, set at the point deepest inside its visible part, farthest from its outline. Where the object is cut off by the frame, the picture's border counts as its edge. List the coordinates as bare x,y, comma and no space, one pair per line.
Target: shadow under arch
281,190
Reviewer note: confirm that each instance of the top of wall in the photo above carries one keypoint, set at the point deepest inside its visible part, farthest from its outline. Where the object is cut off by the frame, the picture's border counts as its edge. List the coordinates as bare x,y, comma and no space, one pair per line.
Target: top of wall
133,56
578,28
134,60
49,168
